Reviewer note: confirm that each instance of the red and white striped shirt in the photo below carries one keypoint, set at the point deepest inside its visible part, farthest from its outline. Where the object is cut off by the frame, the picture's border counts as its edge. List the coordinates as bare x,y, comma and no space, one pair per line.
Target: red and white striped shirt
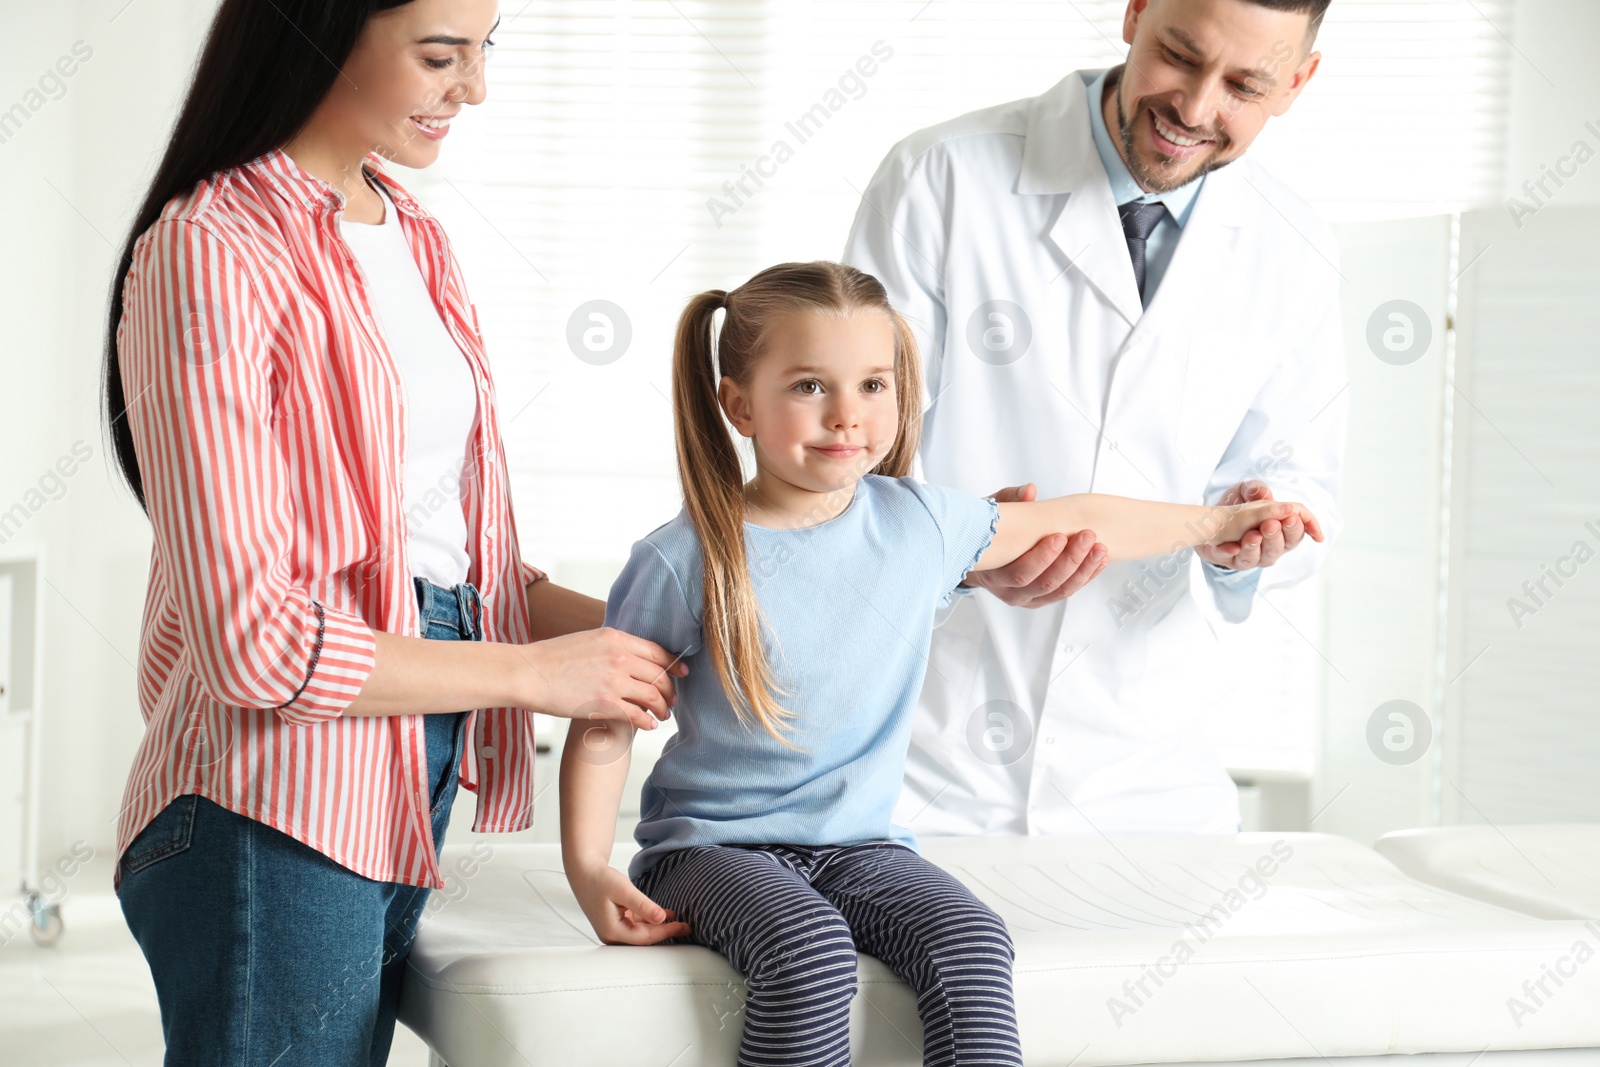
269,420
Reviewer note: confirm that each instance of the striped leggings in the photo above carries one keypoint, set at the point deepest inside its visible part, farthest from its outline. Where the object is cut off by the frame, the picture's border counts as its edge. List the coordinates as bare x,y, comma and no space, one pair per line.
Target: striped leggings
791,918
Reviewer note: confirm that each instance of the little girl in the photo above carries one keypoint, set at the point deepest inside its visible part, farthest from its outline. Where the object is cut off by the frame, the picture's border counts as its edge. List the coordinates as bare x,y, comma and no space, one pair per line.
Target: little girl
803,603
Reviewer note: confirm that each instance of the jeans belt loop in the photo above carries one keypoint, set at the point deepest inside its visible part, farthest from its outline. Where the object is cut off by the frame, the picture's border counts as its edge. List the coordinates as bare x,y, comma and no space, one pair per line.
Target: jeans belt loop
464,611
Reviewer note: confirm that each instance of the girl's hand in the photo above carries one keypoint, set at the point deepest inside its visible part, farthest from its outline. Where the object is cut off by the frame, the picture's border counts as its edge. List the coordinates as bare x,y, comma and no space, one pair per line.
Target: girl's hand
601,674
1267,516
619,912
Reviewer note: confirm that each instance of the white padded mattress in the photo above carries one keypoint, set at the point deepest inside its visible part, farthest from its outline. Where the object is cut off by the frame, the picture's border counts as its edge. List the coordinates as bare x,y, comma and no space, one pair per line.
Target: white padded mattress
1552,871
1291,945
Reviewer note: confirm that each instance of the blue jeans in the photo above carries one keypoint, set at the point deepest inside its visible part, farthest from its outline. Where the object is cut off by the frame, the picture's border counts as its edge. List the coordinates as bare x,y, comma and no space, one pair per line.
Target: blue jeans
263,950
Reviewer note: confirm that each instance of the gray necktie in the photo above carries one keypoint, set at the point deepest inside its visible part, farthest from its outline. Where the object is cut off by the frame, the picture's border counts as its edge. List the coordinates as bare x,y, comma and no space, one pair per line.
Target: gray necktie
1139,221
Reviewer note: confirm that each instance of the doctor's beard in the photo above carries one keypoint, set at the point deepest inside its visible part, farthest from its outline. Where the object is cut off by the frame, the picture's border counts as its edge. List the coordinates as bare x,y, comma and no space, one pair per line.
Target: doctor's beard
1161,180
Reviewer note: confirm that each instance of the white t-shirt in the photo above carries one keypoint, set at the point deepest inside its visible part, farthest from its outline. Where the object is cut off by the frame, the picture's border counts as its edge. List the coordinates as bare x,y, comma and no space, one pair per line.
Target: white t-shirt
441,399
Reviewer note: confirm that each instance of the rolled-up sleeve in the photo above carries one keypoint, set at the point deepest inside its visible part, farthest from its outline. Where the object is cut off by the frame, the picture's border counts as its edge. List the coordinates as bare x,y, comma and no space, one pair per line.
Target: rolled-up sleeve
193,351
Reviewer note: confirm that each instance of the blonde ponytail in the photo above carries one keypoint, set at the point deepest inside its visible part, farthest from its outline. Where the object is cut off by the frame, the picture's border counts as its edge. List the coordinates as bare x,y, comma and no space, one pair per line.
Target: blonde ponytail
708,462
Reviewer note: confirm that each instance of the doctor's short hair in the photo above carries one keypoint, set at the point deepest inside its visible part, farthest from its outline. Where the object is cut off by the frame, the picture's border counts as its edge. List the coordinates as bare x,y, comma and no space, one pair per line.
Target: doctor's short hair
1315,9
709,466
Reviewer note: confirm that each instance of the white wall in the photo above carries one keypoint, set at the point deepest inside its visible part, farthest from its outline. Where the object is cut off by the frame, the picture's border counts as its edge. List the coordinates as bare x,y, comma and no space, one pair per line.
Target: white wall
1555,98
69,175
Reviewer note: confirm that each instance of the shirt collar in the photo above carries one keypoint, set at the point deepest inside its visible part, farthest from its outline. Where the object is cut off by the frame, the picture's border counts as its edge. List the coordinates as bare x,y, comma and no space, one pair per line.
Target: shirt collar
299,185
1179,202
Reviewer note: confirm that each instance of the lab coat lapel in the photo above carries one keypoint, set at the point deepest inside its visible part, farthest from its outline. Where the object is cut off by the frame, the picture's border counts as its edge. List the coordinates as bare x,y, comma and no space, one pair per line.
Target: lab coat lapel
1193,291
1059,157
1153,370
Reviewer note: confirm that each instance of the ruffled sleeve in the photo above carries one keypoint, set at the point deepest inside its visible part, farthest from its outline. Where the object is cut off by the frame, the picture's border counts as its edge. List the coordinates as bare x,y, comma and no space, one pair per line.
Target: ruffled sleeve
649,600
966,524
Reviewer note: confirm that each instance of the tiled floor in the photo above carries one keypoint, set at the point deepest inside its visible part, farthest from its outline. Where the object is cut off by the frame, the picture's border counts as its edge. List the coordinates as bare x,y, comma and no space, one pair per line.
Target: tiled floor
88,1000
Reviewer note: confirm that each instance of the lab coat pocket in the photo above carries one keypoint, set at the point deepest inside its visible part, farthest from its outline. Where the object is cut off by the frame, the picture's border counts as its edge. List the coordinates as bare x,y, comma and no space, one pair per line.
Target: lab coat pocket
1220,378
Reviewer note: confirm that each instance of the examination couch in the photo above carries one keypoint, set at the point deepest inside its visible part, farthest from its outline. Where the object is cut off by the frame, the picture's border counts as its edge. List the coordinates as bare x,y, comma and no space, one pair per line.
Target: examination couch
1138,950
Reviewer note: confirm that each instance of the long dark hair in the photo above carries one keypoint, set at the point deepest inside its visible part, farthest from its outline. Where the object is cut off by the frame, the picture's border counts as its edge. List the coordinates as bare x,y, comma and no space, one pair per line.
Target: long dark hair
708,465
266,66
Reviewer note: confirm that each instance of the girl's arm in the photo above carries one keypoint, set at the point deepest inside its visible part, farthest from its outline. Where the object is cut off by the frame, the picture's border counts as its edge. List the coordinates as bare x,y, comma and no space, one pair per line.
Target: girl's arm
554,611
1134,529
594,768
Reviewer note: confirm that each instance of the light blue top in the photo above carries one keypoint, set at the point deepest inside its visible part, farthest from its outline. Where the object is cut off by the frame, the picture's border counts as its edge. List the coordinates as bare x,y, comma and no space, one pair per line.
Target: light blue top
1180,201
849,605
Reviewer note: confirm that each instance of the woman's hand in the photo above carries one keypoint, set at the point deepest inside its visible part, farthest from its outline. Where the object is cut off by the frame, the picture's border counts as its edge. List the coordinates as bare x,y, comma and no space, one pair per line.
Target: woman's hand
1266,517
618,911
601,674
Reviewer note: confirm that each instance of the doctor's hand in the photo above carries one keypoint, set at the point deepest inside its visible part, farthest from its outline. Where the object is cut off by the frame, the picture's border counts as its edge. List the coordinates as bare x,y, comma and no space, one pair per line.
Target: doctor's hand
1049,572
1260,547
618,911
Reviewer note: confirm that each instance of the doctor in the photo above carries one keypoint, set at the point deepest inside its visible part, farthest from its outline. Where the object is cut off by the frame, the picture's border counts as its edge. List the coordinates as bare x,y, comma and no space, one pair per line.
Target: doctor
1111,297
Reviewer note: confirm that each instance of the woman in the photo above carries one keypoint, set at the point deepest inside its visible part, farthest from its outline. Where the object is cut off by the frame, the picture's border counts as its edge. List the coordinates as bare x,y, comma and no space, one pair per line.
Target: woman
299,398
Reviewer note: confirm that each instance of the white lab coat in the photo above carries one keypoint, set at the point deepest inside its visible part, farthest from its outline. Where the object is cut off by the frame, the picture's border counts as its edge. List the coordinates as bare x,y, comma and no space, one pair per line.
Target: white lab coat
1083,717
